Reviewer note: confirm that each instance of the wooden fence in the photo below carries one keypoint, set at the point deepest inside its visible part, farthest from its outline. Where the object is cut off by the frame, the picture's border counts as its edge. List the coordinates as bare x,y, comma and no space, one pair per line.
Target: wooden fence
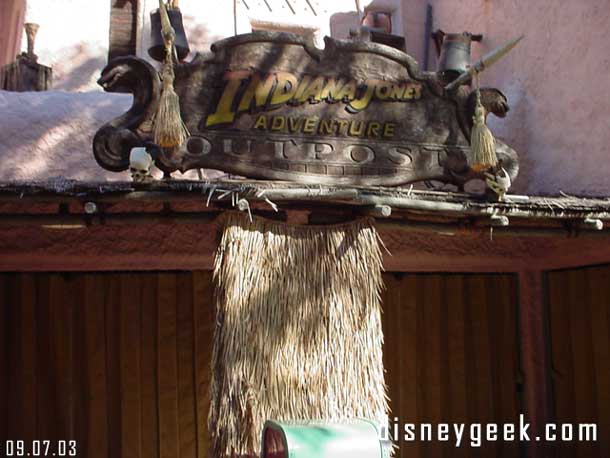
451,355
579,312
119,361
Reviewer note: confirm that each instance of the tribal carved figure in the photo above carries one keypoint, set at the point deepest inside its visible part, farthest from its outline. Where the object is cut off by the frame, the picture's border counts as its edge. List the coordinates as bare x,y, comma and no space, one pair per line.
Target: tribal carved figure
272,106
113,141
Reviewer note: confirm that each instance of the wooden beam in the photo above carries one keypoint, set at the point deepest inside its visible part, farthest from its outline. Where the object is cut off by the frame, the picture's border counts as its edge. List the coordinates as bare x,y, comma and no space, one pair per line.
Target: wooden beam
123,28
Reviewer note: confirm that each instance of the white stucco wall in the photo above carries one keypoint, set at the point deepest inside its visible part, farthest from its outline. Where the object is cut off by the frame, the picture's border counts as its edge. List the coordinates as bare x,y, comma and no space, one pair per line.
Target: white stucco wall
207,21
555,81
72,39
73,35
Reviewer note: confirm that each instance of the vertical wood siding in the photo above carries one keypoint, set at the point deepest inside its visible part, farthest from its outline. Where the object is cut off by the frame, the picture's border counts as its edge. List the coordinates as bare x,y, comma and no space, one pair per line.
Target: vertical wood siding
579,309
120,361
451,355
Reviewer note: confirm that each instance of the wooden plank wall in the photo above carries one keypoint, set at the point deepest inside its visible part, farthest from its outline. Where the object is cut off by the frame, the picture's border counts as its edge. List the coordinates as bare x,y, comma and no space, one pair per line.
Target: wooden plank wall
579,310
119,362
451,355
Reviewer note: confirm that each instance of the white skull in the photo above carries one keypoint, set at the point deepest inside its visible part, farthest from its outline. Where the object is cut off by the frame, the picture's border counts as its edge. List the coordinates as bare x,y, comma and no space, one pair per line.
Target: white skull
140,162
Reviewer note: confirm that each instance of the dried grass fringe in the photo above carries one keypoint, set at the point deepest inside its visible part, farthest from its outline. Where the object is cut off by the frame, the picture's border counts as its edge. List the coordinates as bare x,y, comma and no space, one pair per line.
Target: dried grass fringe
169,130
298,331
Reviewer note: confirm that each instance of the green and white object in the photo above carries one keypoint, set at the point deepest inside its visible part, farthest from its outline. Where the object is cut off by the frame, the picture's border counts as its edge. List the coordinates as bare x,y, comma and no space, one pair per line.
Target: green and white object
357,438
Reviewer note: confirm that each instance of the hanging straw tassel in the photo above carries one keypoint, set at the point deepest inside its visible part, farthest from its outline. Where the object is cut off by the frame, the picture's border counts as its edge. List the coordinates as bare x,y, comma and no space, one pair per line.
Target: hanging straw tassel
482,142
169,130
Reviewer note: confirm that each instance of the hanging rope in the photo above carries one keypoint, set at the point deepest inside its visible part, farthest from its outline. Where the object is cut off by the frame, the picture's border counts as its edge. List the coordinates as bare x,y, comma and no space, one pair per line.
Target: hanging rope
482,142
169,130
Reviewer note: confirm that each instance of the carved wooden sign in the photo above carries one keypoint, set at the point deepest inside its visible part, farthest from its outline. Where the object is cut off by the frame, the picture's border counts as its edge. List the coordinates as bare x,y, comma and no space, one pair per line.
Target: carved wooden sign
272,106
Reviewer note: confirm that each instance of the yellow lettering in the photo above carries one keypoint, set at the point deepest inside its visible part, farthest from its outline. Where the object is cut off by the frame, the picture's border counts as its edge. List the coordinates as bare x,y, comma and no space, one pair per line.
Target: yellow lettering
302,86
313,91
347,92
294,124
342,123
310,125
409,93
397,91
360,104
278,123
373,129
331,90
223,113
356,132
388,129
413,91
382,90
285,89
256,91
326,127
261,122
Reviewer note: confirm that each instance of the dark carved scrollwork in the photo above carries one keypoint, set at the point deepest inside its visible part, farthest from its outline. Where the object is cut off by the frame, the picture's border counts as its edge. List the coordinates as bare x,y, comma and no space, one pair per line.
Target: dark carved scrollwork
407,129
113,141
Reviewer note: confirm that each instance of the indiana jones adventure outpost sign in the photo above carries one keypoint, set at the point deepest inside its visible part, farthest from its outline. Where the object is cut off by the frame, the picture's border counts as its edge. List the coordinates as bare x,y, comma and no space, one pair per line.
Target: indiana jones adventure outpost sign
272,106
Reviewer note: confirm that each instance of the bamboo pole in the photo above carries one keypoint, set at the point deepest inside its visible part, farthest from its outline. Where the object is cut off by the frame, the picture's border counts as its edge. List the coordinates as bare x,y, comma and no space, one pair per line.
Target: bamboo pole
82,221
550,208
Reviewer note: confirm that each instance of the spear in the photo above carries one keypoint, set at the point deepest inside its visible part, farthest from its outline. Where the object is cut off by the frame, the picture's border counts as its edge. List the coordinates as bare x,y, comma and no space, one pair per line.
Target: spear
485,62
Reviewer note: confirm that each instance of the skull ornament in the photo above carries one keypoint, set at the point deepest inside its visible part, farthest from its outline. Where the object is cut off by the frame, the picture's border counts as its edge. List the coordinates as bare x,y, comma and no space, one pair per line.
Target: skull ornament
140,162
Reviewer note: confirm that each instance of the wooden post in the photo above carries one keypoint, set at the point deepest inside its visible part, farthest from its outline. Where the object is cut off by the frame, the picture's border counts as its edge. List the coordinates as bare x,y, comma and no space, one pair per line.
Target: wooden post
123,29
26,74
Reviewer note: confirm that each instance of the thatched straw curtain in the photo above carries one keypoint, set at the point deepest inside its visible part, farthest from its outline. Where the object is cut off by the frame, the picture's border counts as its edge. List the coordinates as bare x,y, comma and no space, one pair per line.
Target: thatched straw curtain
298,332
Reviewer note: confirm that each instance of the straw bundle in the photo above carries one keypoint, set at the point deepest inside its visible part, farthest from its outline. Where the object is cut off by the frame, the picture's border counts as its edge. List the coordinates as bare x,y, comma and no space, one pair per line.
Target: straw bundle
298,332
482,141
169,130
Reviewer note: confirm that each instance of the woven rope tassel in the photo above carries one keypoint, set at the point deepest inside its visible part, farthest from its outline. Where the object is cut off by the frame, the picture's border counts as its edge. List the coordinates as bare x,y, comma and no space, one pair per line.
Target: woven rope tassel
169,130
482,142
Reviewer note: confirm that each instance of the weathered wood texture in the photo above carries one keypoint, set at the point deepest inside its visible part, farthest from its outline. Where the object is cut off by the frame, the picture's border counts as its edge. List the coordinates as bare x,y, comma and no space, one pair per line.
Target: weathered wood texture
451,355
123,28
25,75
119,361
270,106
579,309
